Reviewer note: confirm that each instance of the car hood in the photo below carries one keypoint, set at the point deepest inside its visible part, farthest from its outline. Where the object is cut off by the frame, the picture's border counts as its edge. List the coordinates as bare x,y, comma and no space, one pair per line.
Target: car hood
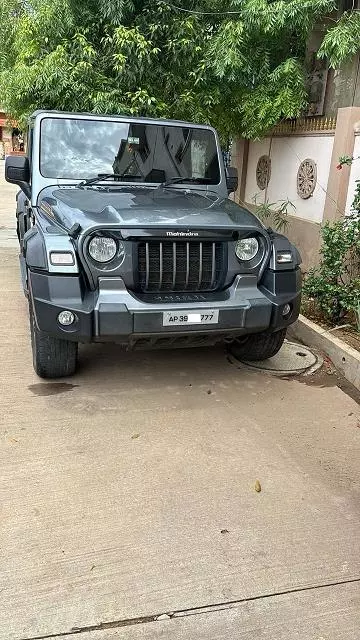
143,207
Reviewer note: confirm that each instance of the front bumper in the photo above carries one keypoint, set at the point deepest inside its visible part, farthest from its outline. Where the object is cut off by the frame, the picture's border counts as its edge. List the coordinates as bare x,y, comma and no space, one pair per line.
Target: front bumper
112,313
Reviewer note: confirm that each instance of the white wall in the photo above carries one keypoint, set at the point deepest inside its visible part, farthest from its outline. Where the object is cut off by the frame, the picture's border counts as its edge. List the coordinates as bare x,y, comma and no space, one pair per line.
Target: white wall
354,175
286,155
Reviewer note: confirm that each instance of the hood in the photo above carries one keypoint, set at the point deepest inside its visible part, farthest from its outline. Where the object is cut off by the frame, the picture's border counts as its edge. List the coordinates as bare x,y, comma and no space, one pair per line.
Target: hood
144,208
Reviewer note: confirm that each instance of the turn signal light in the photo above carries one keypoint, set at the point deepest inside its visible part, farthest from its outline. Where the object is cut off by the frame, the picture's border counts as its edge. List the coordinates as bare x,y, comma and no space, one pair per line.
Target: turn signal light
284,257
62,258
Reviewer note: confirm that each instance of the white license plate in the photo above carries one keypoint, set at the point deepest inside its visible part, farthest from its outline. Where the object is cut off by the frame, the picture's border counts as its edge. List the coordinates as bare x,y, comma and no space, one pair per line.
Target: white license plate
183,318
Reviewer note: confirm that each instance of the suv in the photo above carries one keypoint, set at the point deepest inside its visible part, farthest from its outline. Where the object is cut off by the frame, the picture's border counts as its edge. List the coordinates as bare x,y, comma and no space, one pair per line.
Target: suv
127,235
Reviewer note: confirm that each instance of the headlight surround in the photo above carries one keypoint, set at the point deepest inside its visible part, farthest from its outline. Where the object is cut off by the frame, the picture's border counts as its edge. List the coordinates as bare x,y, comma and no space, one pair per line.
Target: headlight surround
247,249
103,249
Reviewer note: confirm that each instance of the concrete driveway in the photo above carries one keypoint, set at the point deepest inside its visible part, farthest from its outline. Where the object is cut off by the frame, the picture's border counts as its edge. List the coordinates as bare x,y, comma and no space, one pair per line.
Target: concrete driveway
127,494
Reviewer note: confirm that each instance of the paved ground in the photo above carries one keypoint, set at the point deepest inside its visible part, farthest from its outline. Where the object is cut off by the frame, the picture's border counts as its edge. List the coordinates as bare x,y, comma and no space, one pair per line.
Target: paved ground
7,199
127,493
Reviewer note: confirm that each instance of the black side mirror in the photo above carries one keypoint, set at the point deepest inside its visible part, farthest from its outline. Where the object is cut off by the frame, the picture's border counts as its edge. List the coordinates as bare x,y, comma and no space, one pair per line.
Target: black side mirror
232,180
17,171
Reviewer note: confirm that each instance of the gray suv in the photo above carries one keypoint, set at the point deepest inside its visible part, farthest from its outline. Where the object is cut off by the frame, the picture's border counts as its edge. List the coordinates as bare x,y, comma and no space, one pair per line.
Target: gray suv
127,235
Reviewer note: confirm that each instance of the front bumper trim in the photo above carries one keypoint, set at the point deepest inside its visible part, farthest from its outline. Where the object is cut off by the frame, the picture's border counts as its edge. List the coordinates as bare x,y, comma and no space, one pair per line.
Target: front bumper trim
115,314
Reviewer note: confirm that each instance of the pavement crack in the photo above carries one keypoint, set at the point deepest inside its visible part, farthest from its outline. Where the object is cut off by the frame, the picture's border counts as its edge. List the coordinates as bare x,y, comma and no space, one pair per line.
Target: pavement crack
180,613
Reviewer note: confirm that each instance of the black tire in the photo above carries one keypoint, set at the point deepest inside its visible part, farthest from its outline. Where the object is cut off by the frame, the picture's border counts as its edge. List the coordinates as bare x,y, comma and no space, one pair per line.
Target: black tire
52,357
258,346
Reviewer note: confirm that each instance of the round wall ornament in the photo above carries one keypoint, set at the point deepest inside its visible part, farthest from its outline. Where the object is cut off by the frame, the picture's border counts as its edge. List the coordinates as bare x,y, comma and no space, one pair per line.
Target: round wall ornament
263,172
306,178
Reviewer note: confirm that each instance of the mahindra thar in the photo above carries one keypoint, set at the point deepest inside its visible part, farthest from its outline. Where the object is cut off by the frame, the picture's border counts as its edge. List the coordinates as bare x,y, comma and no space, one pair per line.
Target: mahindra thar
127,235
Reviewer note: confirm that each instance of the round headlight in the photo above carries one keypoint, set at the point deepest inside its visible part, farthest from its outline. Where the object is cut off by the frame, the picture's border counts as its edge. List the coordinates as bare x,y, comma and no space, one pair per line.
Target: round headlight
247,248
102,249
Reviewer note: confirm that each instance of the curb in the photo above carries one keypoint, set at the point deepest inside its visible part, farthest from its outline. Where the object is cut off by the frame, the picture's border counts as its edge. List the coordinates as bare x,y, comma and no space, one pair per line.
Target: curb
345,358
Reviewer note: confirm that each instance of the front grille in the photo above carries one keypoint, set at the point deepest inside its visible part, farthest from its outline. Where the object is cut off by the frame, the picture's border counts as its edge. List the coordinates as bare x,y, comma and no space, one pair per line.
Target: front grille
181,266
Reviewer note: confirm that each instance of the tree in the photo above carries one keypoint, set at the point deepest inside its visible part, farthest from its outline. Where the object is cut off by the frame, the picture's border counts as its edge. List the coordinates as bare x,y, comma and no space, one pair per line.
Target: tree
238,64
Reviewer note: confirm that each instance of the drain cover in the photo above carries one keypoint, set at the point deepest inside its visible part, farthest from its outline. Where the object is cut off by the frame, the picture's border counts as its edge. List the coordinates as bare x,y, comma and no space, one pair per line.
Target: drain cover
292,359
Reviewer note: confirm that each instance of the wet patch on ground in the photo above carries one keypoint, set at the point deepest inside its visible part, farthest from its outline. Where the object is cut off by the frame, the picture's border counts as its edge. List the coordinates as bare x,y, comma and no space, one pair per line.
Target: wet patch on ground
51,388
322,374
328,377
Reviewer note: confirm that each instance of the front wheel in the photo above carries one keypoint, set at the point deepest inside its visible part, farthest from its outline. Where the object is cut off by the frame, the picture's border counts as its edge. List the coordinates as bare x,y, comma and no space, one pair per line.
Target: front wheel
258,346
52,357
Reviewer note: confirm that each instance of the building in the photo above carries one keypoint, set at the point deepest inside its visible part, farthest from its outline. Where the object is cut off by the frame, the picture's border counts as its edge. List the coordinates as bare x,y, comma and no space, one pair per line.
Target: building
298,160
10,137
298,163
5,135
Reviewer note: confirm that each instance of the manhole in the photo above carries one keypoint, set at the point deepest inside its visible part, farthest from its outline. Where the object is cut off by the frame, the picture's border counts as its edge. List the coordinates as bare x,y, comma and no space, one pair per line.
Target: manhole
292,359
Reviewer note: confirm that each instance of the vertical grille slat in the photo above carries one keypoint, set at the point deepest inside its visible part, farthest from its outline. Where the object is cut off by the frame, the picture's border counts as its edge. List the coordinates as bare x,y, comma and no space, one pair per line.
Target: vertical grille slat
213,265
174,266
181,266
200,264
187,265
147,267
160,266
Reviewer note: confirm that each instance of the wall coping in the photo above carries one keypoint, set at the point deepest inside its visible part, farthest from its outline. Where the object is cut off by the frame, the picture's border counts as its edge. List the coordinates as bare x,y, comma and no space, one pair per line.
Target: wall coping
305,134
299,126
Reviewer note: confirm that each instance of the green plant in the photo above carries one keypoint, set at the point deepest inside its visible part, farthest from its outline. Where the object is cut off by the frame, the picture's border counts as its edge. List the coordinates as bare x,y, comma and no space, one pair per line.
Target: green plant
238,64
335,284
356,201
347,161
274,212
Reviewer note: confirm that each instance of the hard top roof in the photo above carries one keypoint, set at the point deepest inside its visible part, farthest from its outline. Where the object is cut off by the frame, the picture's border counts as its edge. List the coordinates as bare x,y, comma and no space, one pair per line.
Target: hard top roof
126,118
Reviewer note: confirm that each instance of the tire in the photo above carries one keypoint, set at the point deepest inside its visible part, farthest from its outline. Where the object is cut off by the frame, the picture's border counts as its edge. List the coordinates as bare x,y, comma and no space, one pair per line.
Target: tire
258,346
52,357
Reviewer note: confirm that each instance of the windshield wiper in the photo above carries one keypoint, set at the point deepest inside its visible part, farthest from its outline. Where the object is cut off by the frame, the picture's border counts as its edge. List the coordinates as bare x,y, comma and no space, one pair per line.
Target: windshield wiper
104,176
179,179
123,176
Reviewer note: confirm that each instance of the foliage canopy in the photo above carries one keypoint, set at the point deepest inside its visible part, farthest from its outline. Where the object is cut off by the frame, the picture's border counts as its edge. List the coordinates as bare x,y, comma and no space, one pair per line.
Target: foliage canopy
241,72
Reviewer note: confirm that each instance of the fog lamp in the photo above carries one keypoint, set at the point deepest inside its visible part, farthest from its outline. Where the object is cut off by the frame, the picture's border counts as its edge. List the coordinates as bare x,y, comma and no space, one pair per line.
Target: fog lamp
66,318
286,310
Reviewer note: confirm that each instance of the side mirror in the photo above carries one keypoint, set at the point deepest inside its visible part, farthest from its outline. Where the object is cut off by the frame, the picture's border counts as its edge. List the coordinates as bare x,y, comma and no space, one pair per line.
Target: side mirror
232,180
17,171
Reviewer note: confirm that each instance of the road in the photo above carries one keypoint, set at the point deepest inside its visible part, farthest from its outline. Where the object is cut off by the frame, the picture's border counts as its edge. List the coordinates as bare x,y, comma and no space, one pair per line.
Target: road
128,493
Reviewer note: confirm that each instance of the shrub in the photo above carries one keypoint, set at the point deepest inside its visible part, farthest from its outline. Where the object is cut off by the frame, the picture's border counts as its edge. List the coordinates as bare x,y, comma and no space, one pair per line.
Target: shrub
335,283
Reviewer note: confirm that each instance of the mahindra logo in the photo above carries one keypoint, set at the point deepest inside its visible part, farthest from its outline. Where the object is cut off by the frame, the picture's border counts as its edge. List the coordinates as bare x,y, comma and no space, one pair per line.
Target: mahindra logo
182,234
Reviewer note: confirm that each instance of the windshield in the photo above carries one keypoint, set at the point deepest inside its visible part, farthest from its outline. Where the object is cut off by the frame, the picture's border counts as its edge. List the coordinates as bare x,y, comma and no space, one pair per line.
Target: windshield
75,149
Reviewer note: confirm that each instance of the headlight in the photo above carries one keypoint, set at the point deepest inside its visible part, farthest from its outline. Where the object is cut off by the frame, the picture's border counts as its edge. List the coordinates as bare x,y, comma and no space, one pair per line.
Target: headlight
247,248
103,249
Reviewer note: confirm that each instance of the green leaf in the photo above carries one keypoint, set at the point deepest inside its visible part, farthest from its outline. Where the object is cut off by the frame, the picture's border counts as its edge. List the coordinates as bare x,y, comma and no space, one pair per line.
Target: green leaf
242,72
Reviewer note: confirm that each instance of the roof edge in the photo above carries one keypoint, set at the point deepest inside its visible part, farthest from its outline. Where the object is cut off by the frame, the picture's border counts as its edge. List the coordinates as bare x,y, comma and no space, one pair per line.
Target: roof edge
120,117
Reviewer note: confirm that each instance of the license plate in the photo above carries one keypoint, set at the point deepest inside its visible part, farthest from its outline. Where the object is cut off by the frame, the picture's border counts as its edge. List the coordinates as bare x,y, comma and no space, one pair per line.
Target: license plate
182,318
